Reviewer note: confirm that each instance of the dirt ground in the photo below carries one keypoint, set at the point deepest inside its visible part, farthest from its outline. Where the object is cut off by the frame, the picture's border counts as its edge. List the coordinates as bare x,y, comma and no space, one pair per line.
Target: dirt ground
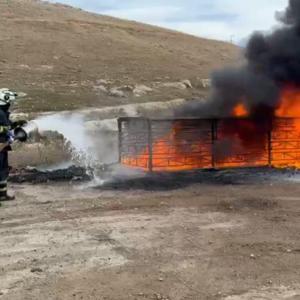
201,241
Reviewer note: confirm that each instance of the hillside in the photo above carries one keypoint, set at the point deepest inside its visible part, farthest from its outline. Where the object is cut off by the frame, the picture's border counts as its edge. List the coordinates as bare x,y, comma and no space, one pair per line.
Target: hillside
65,58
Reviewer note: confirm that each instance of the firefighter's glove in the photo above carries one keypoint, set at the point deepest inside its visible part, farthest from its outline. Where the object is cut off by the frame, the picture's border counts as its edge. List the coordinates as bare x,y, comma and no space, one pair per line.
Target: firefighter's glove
10,137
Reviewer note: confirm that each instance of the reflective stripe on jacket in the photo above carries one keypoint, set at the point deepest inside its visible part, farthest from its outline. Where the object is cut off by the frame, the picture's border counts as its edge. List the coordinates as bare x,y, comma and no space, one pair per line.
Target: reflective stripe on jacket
4,129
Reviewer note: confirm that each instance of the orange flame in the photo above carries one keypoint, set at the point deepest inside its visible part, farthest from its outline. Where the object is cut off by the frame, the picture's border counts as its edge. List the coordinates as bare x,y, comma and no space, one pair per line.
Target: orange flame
173,153
289,105
240,111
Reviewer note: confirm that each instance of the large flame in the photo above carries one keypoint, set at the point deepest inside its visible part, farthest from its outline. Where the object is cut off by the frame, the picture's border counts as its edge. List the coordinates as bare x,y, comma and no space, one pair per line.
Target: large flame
286,148
289,105
241,141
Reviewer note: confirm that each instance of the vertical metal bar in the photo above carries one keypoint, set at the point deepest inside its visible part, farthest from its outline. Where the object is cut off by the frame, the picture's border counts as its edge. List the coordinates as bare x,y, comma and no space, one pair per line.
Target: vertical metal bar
150,145
270,148
214,136
120,139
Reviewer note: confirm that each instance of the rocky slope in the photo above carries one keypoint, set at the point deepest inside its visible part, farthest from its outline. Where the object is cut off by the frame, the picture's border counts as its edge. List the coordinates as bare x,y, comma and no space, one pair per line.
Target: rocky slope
65,58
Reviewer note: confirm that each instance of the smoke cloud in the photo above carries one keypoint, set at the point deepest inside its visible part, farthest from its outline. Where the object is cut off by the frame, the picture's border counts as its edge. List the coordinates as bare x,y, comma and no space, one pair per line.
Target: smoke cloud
273,62
90,148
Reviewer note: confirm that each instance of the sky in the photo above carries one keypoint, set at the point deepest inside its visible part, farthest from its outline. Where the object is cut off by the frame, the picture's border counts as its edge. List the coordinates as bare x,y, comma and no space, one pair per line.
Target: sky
229,20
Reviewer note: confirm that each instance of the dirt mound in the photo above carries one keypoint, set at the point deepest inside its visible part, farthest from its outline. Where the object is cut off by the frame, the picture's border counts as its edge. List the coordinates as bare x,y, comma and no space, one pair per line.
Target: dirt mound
65,58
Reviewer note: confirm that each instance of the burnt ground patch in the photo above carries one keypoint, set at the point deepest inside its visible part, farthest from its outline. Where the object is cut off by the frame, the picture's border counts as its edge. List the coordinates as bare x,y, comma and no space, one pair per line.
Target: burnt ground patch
112,180
179,180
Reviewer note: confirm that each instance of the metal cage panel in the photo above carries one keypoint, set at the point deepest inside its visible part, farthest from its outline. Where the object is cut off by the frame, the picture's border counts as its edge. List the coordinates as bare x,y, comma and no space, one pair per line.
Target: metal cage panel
236,144
285,140
188,144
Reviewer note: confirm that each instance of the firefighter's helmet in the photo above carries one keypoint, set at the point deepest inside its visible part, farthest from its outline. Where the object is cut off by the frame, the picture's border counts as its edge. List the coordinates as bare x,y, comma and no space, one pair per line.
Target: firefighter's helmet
7,96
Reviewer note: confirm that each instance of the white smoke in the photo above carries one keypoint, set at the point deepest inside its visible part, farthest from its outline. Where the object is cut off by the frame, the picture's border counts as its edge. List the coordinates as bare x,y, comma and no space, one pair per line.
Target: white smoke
71,126
93,143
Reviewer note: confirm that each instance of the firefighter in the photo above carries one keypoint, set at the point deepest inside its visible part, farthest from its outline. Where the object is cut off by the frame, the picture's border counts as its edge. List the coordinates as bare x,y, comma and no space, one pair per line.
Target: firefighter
6,139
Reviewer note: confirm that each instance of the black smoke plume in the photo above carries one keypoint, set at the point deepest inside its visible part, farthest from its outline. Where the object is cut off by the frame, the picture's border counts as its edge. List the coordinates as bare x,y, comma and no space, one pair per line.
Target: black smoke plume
273,61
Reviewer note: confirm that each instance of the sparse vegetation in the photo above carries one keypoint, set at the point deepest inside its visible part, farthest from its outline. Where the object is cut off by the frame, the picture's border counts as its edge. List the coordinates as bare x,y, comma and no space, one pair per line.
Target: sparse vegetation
56,54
